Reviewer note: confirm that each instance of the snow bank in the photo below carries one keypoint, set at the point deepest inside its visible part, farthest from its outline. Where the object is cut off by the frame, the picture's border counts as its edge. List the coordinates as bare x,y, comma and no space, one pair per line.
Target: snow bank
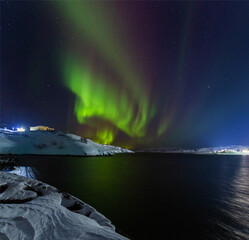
31,209
52,143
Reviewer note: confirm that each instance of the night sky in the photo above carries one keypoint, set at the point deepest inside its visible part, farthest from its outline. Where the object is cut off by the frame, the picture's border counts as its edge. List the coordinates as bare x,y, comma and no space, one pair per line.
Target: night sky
135,74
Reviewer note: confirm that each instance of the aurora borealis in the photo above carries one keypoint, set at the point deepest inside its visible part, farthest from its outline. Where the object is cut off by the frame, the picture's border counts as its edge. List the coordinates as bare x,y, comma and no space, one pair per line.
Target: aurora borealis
126,108
129,73
109,104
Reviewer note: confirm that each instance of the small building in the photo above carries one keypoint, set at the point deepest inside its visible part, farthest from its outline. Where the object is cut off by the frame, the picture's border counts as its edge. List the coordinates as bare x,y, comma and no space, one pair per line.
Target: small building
41,128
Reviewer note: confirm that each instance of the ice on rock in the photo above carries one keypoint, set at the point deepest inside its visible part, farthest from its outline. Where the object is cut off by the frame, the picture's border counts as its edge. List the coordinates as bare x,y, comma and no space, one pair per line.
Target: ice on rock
31,209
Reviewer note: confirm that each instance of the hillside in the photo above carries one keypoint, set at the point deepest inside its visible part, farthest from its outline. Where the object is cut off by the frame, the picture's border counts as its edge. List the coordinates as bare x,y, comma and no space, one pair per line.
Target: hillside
52,143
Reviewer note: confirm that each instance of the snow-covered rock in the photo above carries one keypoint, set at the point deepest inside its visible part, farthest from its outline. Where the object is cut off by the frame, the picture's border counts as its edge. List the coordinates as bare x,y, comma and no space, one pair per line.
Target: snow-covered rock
22,171
30,209
52,143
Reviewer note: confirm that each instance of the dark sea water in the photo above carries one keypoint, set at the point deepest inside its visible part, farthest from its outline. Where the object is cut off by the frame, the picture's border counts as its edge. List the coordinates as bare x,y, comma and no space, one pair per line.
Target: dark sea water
158,196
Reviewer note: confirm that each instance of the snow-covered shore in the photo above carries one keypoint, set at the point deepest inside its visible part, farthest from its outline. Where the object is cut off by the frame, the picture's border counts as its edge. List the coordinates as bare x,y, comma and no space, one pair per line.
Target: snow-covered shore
224,150
31,209
52,143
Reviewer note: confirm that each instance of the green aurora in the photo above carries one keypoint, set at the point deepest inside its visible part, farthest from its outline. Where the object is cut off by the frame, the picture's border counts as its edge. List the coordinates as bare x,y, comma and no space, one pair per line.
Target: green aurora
121,103
95,97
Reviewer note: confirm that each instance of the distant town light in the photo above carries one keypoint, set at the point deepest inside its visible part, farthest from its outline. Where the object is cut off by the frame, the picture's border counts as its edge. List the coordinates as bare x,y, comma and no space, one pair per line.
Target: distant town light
21,129
246,151
41,128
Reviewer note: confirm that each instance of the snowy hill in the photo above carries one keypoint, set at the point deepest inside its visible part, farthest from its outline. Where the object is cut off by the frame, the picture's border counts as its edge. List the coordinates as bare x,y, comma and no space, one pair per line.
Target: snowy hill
52,143
31,209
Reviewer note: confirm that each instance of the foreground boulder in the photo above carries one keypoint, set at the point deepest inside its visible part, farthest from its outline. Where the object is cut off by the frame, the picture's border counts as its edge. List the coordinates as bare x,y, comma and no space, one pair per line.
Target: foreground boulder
30,209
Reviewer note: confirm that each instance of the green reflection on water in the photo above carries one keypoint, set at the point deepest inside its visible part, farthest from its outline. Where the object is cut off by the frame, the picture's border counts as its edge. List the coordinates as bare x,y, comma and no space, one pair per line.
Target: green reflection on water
101,177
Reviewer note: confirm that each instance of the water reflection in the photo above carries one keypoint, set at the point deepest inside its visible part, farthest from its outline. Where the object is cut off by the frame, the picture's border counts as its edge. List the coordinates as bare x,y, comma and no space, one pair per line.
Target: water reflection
100,177
236,204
